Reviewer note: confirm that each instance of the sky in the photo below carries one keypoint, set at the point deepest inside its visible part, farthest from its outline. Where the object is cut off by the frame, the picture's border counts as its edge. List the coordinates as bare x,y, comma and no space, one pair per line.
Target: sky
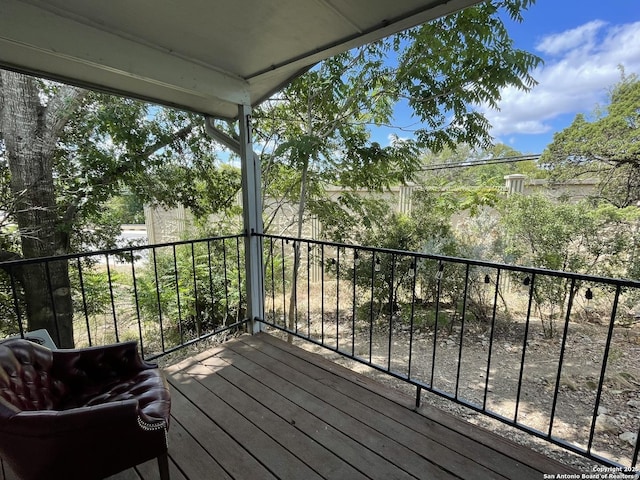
582,44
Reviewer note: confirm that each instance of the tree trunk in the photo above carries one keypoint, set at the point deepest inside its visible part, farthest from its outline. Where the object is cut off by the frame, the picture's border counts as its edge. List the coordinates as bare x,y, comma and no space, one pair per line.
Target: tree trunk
296,250
30,131
47,293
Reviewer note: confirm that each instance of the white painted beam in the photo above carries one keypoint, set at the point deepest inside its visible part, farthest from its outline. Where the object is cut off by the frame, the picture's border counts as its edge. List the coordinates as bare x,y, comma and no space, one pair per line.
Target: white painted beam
252,216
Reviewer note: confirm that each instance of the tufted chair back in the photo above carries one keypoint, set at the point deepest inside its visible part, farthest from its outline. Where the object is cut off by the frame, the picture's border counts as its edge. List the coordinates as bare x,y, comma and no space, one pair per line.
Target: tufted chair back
26,380
93,376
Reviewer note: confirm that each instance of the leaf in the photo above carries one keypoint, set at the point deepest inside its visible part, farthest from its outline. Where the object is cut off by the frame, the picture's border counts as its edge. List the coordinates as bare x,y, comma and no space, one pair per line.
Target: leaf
606,148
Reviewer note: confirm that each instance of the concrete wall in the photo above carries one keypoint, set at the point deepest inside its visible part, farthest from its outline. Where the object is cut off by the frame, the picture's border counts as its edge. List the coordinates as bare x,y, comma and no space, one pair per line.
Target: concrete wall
169,225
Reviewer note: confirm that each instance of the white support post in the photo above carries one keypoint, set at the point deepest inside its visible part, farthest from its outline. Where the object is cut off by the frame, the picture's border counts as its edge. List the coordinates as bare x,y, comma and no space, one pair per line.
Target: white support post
252,213
515,183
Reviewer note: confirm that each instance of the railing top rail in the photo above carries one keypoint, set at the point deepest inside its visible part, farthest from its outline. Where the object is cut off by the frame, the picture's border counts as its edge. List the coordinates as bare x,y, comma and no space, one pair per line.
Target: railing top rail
621,282
115,251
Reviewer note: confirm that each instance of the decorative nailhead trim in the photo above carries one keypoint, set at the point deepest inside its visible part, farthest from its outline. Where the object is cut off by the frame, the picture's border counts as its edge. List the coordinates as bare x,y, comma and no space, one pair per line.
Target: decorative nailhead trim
150,427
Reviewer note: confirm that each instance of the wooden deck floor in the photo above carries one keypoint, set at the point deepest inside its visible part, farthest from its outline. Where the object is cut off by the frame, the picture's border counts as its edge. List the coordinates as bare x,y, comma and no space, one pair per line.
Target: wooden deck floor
259,408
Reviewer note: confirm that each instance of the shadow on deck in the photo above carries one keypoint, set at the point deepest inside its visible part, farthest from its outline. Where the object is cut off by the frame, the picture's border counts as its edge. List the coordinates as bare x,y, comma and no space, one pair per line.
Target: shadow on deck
259,408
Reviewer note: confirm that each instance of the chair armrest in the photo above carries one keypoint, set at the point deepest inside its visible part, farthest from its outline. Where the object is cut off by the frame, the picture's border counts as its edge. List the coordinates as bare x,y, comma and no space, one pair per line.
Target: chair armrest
80,443
84,421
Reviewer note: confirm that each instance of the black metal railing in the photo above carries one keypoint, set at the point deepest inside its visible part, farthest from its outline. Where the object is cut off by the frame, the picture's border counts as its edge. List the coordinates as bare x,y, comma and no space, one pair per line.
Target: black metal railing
551,353
166,296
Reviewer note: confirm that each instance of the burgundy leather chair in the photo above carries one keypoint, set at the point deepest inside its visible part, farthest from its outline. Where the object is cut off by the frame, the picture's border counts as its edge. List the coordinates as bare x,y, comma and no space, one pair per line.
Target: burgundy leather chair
80,414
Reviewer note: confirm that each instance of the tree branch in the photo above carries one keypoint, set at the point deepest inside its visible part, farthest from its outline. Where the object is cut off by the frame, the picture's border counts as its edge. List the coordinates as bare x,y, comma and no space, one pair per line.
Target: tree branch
59,110
112,176
178,135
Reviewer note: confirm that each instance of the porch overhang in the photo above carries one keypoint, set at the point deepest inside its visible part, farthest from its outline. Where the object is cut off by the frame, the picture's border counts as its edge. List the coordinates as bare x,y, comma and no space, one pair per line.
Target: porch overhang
198,55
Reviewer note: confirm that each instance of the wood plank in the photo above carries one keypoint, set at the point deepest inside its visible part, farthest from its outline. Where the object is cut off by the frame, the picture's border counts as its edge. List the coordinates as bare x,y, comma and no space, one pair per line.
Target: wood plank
435,422
527,456
194,359
412,442
357,428
149,470
129,474
360,406
6,473
317,457
265,449
361,458
190,456
441,445
201,449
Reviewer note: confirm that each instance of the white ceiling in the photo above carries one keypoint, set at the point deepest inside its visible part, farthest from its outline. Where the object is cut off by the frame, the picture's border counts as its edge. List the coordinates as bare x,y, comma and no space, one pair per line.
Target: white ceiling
201,55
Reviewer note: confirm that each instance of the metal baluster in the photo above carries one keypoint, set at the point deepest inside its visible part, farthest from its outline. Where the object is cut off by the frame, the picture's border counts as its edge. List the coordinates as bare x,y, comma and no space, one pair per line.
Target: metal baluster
296,256
175,276
462,323
373,277
338,300
137,300
524,345
53,302
634,462
226,280
273,282
435,325
155,269
211,292
284,287
239,270
16,304
413,273
84,300
309,249
322,292
614,312
198,318
391,310
561,360
356,262
493,324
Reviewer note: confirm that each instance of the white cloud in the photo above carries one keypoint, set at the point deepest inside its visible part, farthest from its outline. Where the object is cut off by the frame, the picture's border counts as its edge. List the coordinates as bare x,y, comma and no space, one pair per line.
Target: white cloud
580,66
394,138
580,37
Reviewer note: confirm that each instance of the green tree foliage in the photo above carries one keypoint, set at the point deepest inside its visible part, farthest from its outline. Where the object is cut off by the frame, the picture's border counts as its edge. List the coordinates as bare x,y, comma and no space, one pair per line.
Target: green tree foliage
126,208
606,148
390,282
317,125
451,64
85,148
114,145
387,277
192,289
110,147
444,210
582,237
317,130
65,153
